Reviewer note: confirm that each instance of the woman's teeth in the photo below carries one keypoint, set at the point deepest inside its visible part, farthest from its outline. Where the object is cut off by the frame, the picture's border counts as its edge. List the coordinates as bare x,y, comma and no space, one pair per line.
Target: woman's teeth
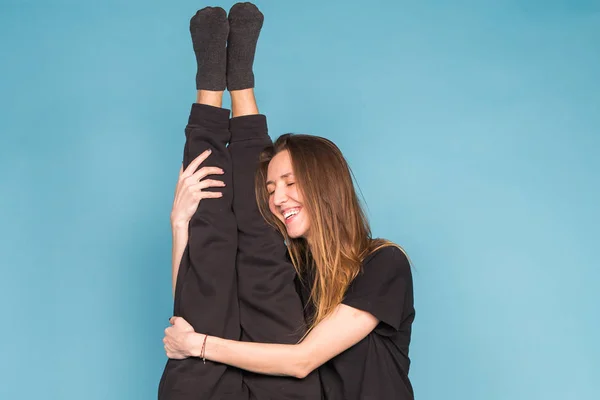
289,213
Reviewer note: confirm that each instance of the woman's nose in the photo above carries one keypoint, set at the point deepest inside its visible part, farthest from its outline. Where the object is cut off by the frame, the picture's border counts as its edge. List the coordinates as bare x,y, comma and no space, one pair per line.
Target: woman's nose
279,196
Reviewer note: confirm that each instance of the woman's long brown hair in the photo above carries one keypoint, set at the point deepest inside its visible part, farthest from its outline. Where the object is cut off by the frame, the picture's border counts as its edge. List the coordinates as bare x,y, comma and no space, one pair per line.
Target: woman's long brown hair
339,236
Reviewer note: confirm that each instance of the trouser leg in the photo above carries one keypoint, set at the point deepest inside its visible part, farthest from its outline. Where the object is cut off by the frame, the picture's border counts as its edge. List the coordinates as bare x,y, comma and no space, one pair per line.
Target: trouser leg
270,308
206,289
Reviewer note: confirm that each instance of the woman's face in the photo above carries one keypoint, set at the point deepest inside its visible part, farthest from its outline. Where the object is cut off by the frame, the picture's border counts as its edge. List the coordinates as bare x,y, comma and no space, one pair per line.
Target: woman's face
285,199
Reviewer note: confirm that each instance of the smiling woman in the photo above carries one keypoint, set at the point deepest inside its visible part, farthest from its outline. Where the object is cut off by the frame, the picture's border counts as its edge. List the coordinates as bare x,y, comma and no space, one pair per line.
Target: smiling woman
310,198
336,299
357,290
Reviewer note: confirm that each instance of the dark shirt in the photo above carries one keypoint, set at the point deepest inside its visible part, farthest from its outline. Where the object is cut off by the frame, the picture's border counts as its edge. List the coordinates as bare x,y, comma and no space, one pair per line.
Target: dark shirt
377,367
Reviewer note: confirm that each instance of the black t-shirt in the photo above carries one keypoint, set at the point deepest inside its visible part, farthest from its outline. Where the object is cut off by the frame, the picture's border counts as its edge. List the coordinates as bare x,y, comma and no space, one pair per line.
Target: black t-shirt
377,367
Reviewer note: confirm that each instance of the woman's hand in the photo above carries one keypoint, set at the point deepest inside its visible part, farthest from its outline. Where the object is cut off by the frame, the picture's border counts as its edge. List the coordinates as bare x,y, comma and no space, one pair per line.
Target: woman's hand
179,339
190,189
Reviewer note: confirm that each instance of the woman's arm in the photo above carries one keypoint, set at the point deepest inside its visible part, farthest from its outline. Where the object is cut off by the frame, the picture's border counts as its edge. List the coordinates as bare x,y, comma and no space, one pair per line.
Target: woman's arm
189,191
180,239
345,327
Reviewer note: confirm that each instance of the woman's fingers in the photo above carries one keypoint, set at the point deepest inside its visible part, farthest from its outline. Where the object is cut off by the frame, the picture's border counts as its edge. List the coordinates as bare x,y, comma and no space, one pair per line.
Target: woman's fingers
207,183
198,195
203,173
191,185
196,163
210,195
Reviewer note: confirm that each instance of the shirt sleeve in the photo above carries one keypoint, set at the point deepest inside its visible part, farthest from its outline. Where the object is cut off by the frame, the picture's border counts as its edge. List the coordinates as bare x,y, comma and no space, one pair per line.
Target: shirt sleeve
383,288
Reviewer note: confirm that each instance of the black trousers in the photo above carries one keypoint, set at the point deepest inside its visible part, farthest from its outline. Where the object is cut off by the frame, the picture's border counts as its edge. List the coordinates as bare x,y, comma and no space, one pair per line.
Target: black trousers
234,280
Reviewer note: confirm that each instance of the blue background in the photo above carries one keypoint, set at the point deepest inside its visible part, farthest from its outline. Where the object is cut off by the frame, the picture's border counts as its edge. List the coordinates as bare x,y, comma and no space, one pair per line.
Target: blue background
473,128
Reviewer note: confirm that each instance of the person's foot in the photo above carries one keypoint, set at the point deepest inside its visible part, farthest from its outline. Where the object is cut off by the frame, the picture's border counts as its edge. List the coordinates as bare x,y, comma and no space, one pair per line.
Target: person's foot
209,29
245,22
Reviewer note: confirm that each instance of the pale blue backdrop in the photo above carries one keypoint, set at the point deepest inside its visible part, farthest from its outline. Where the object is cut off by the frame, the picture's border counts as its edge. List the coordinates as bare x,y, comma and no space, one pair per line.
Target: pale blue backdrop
473,128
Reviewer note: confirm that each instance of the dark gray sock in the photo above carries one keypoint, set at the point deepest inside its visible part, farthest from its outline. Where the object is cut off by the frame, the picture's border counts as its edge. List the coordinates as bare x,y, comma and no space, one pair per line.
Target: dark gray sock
245,22
209,29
